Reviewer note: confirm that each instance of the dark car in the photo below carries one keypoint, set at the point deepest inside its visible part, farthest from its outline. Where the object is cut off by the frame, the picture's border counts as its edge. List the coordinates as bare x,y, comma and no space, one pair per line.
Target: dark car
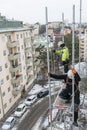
42,94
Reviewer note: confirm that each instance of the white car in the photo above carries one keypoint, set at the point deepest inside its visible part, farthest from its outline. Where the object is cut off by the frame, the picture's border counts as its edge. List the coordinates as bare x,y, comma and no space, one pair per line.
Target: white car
20,110
30,100
9,123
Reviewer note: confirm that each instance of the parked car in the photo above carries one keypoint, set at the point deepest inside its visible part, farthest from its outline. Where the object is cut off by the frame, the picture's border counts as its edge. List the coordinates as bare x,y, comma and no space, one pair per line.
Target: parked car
9,123
20,110
42,93
30,100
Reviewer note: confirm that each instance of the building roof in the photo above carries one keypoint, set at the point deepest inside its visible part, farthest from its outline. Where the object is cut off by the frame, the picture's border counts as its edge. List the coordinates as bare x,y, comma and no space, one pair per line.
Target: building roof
3,30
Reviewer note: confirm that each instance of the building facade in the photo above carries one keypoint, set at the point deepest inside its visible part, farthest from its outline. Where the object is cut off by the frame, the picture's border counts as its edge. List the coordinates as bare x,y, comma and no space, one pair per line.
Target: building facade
83,45
18,65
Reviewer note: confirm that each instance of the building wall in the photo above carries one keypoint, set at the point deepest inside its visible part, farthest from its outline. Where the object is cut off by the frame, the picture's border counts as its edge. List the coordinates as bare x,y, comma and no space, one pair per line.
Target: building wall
23,38
83,45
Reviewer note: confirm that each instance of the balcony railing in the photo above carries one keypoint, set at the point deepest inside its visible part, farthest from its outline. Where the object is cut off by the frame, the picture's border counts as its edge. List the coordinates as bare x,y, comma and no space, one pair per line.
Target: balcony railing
16,79
27,50
17,90
29,69
36,62
28,60
36,54
12,44
30,78
27,40
14,56
15,68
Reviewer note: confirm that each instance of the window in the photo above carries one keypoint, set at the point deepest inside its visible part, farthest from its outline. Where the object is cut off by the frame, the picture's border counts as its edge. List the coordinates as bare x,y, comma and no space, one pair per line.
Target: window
17,36
9,38
18,48
7,77
10,100
3,94
24,67
0,111
20,35
22,46
6,65
0,68
2,81
5,105
4,53
9,89
26,34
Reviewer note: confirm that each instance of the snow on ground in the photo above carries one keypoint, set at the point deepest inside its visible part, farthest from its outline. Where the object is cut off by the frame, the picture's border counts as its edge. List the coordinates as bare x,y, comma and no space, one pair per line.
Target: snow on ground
37,126
83,73
55,85
83,69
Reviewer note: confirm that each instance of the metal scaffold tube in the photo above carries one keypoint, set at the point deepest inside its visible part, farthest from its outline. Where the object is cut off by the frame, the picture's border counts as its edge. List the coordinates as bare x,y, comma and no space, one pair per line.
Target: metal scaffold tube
63,27
50,106
80,31
73,44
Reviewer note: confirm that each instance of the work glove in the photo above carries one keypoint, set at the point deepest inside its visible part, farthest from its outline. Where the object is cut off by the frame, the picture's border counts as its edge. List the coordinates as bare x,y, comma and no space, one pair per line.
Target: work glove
47,74
77,76
74,71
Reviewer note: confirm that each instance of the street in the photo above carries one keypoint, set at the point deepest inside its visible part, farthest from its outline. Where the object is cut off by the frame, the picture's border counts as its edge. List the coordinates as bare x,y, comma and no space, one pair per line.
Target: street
35,113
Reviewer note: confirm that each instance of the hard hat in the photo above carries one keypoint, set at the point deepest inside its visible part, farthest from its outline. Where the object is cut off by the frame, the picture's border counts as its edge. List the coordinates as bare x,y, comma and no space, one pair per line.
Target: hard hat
70,74
60,43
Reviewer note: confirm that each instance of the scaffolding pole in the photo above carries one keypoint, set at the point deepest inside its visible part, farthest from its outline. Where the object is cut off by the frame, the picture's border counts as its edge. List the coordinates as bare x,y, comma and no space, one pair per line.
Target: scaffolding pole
80,30
73,48
50,107
63,27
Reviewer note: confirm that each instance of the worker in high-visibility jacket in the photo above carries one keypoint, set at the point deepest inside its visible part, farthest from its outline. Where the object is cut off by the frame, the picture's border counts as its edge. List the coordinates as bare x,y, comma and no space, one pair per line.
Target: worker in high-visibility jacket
64,52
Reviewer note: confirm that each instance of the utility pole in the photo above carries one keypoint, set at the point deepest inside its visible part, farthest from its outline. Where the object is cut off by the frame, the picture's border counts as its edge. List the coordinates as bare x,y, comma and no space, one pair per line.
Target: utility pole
50,107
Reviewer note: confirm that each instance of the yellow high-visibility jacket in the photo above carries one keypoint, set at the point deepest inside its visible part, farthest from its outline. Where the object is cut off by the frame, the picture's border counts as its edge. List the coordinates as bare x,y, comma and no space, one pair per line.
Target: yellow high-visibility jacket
64,53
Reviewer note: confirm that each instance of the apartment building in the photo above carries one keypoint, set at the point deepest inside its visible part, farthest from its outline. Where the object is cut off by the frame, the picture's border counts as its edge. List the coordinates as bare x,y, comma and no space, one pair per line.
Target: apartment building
83,45
18,64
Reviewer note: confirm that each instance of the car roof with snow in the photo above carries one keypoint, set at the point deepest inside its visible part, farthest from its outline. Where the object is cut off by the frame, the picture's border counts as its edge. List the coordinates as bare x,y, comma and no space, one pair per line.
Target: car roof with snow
31,97
9,119
21,105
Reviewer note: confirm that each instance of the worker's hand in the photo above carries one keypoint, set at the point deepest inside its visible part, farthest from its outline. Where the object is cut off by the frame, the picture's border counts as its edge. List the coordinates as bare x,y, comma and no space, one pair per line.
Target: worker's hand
46,74
74,71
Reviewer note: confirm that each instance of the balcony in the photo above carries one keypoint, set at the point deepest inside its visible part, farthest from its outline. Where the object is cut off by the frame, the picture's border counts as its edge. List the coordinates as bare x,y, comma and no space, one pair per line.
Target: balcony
14,56
28,60
27,50
15,68
29,69
30,78
35,46
16,79
37,70
12,44
36,62
17,90
36,54
27,40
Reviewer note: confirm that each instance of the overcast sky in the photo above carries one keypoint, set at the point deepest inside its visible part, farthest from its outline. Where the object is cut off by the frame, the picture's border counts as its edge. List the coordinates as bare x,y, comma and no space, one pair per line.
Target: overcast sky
32,11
